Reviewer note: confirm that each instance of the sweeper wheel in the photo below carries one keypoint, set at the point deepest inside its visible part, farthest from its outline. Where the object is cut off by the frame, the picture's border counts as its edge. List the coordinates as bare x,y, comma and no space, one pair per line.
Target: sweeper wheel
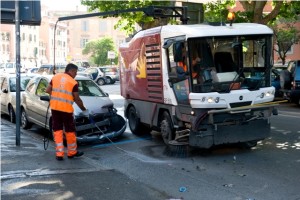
166,128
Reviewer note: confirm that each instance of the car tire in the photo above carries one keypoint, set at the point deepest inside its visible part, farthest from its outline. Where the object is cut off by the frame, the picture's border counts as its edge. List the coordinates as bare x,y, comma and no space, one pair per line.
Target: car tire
285,79
109,80
25,124
100,81
136,127
12,114
167,128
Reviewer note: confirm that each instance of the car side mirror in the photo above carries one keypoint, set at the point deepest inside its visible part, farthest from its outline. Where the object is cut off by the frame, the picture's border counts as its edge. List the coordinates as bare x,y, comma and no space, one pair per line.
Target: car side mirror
45,98
5,90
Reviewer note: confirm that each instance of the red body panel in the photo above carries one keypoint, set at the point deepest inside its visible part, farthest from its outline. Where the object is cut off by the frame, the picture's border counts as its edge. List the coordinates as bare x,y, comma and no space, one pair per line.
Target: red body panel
141,71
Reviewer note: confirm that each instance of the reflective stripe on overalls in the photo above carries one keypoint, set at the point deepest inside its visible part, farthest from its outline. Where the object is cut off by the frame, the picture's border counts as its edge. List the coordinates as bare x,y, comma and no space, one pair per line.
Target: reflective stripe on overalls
61,96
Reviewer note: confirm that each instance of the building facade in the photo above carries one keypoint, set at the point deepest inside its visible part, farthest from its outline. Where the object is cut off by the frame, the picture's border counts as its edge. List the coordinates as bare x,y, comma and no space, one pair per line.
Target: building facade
37,43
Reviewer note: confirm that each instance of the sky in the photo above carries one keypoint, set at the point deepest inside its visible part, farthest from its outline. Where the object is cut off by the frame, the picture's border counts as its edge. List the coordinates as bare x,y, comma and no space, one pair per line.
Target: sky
63,5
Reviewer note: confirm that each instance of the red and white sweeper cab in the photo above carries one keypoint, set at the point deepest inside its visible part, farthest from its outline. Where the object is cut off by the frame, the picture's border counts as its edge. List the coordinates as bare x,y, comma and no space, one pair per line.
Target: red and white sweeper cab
224,95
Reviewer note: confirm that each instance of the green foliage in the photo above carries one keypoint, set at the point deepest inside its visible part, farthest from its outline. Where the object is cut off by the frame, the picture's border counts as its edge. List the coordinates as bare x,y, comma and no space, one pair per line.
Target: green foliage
98,51
285,36
128,21
216,11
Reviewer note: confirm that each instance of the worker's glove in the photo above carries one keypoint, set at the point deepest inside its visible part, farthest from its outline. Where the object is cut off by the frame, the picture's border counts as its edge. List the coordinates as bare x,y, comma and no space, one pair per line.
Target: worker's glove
85,113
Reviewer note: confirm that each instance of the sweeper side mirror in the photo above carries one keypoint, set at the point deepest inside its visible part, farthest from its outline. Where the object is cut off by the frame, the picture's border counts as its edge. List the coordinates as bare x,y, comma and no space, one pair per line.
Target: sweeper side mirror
45,98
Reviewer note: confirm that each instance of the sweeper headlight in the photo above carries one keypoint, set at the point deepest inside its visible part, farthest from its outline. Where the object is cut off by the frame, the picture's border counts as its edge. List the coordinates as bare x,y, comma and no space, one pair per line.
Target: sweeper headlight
213,99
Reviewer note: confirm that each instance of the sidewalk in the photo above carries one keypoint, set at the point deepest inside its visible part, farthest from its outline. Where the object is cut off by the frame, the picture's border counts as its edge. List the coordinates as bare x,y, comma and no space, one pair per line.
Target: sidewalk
30,172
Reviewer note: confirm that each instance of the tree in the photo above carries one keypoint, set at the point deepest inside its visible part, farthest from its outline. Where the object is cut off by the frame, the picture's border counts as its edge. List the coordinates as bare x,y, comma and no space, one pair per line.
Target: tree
128,21
253,11
285,33
285,36
98,50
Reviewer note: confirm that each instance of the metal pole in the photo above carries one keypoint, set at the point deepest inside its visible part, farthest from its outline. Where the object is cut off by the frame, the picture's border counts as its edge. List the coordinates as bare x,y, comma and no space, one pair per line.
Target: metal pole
18,108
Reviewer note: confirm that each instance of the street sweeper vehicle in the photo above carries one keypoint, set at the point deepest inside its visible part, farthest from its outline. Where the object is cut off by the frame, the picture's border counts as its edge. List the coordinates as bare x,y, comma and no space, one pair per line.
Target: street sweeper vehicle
200,85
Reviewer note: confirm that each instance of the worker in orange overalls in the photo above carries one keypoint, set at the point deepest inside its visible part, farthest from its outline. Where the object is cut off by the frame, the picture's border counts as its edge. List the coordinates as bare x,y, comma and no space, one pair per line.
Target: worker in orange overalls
64,91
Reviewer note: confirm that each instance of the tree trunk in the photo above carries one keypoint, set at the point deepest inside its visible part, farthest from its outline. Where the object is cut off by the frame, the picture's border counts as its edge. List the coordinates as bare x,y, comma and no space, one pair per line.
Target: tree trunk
256,7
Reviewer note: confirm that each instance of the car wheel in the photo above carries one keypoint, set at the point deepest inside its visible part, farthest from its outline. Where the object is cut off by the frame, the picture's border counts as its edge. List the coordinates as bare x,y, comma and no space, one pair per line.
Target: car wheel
100,81
136,127
166,128
12,115
25,124
109,80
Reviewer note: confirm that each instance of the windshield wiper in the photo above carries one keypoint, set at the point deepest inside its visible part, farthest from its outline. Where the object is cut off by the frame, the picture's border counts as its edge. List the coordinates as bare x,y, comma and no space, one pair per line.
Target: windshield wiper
237,76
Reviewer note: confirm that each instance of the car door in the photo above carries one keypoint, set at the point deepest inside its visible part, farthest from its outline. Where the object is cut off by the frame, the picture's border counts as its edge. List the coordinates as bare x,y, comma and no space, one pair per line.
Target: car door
4,94
41,106
28,99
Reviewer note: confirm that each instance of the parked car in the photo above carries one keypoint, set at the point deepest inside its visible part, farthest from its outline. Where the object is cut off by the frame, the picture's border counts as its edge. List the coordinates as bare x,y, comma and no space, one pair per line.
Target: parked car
290,81
103,115
32,70
81,72
111,74
8,93
10,68
49,68
96,74
84,64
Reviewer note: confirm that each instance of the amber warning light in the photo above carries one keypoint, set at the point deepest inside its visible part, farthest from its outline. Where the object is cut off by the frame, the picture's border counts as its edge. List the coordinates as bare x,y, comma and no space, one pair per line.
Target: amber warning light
230,17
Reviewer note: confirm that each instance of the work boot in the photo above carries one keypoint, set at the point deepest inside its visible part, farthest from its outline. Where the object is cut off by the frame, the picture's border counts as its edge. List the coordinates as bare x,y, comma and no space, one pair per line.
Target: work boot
78,154
59,158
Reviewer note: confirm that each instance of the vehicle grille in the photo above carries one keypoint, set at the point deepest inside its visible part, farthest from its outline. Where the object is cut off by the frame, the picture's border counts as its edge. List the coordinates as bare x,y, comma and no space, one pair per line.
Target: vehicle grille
240,104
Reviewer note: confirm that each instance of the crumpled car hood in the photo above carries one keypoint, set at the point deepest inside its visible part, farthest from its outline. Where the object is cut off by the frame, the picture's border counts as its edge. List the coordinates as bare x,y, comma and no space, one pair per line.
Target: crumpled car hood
96,105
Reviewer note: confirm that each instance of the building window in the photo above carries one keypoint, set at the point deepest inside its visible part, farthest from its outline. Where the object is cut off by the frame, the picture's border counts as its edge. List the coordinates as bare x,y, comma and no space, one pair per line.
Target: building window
23,36
3,36
84,26
30,37
103,26
83,42
7,36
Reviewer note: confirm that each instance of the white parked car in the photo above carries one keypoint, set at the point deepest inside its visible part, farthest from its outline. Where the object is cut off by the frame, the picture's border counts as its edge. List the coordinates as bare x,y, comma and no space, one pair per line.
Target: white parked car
10,68
8,92
103,122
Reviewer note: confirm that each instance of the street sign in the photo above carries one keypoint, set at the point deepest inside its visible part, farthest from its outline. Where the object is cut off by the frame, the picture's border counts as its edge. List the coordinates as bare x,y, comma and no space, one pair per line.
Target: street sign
29,12
111,55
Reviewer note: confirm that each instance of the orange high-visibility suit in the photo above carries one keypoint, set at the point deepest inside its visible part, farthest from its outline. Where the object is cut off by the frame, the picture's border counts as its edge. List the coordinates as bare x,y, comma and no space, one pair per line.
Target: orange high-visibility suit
61,104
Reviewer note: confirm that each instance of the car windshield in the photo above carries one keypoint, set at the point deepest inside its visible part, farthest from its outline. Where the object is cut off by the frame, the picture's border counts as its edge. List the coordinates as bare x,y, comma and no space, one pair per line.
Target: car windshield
109,70
23,83
10,65
89,88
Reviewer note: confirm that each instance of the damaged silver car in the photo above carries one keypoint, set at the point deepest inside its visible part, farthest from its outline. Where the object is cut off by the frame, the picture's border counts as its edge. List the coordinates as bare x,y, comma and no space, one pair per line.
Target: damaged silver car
102,123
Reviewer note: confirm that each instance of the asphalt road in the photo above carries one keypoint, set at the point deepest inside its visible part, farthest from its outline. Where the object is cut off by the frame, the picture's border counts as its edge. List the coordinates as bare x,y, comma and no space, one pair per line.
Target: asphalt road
269,171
